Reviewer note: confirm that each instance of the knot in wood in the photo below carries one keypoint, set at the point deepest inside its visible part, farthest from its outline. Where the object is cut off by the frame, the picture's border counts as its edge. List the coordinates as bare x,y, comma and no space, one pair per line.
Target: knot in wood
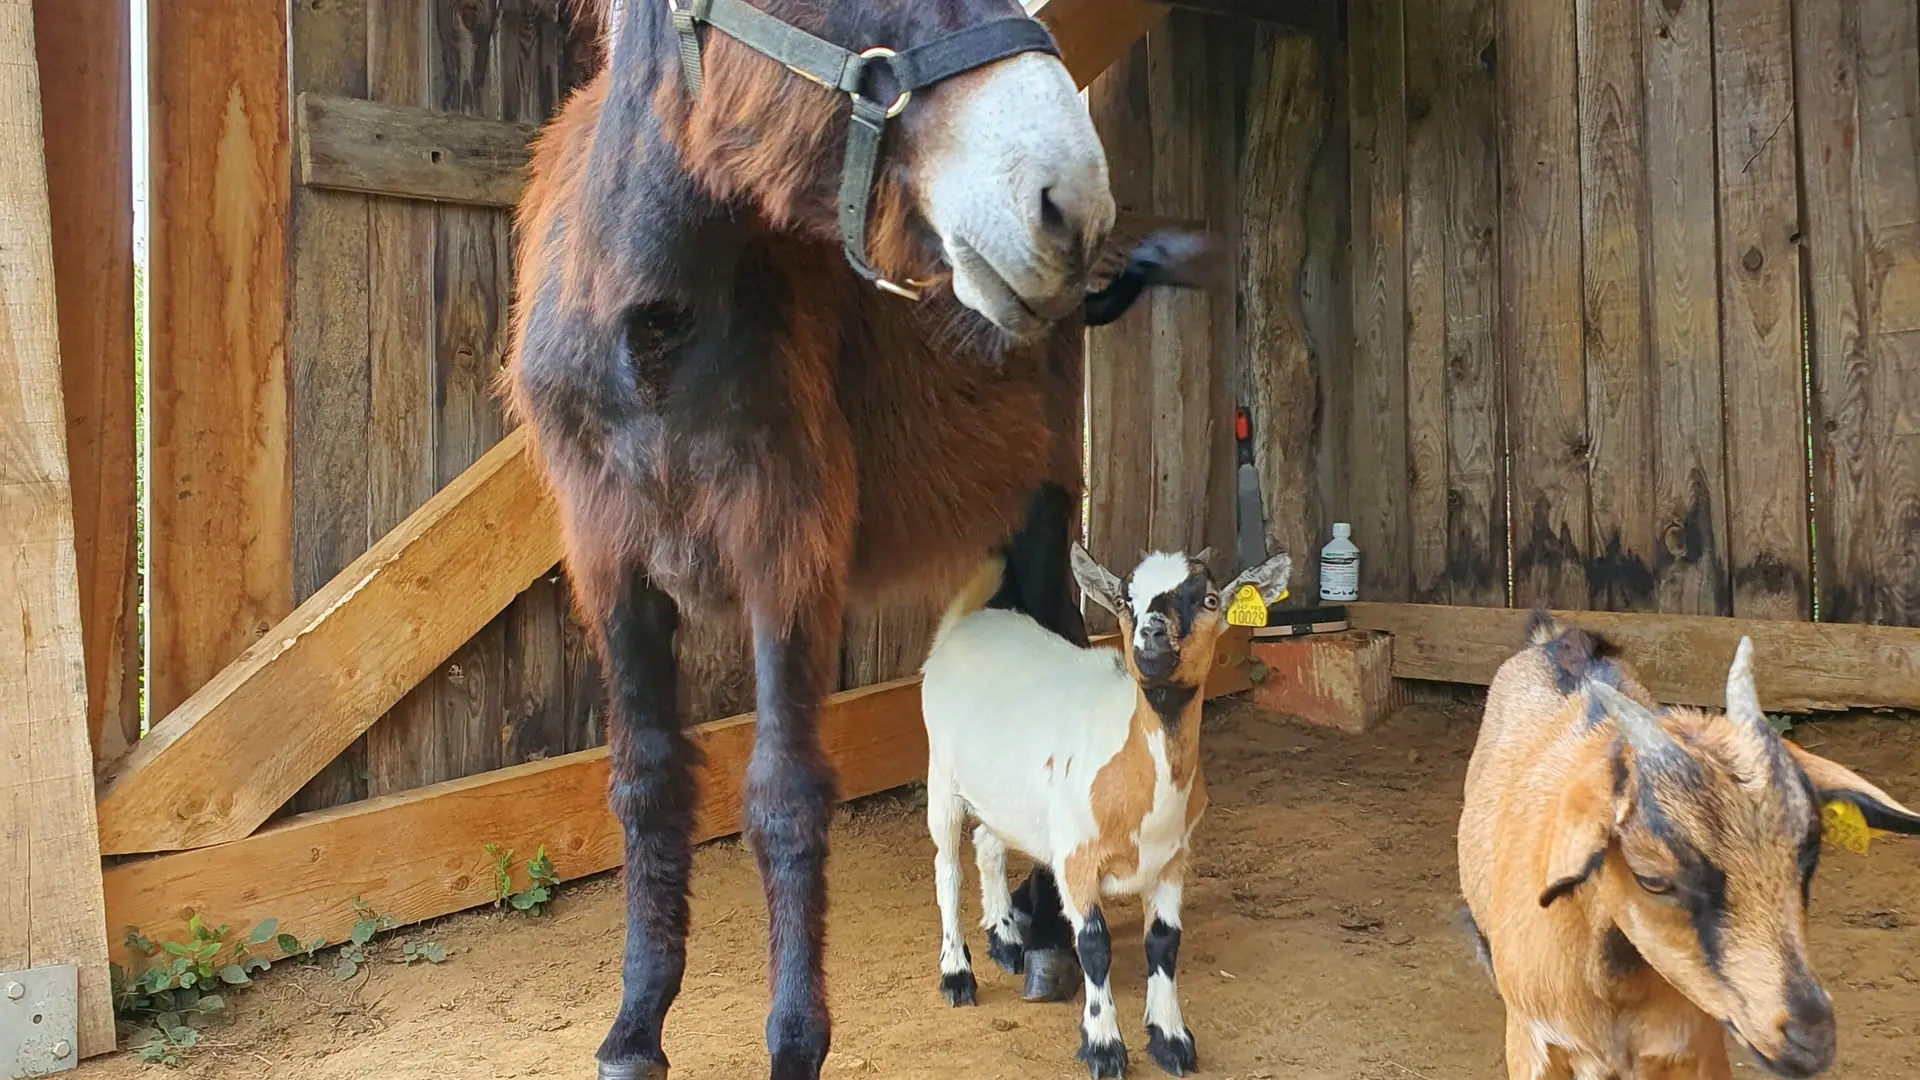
1753,260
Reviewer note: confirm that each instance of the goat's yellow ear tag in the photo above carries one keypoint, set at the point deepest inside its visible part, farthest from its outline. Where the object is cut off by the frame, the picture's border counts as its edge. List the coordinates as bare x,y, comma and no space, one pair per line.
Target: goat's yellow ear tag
1248,609
1843,826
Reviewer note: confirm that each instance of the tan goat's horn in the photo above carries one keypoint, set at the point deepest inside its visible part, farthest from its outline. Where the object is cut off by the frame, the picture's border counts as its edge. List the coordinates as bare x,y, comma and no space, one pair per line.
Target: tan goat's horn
1743,701
1641,728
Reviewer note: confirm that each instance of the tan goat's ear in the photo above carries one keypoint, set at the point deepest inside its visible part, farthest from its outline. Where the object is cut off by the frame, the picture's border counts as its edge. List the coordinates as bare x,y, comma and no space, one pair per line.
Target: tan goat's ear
1836,781
1583,830
1100,586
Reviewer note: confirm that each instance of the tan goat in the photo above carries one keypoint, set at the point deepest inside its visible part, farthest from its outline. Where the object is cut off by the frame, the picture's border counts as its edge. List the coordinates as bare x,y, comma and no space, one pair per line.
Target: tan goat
1639,876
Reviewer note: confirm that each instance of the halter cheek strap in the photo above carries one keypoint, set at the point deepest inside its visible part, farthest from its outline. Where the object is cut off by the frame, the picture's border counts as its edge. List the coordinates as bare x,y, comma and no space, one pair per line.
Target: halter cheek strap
845,71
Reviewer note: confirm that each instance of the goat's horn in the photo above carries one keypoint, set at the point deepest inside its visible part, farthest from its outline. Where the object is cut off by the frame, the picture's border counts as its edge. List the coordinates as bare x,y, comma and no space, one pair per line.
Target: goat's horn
1641,728
1743,701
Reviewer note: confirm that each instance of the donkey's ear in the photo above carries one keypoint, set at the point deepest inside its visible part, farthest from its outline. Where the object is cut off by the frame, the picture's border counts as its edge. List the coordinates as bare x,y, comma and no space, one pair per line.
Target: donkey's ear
1269,577
1100,586
1836,781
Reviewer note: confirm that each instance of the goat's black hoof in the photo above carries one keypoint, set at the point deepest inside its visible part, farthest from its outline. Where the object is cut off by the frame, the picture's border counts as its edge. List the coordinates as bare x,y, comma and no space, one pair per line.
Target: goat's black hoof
1103,1059
958,988
796,1065
1010,956
633,1070
1173,1053
1052,975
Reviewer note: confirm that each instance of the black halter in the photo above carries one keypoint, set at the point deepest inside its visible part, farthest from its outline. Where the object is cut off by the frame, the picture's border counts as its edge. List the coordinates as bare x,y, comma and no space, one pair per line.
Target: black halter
840,69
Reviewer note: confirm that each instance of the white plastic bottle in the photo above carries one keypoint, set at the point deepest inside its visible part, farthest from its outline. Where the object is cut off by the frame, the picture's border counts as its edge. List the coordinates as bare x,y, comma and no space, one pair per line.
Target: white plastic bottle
1340,567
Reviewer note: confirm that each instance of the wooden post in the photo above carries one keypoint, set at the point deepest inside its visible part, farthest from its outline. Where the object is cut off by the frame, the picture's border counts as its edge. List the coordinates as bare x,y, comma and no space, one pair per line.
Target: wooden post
49,855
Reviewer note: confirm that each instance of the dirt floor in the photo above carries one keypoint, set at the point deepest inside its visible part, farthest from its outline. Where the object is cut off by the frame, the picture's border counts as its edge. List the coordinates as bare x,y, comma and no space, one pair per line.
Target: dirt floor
1320,942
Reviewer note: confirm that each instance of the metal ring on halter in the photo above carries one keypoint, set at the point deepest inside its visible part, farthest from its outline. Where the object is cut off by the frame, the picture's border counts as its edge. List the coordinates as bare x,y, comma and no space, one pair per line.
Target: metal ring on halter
899,105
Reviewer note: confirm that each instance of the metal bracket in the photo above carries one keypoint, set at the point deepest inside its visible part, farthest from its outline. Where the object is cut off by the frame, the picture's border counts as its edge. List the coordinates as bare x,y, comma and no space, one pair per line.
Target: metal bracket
39,1021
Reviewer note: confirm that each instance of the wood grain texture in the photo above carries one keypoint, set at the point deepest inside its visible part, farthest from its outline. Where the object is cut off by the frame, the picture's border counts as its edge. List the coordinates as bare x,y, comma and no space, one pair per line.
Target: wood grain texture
341,659
82,48
328,327
1760,314
1856,106
1613,225
409,152
1119,362
1286,121
1682,658
1690,569
1476,464
220,540
1377,422
1426,199
422,853
49,857
1541,310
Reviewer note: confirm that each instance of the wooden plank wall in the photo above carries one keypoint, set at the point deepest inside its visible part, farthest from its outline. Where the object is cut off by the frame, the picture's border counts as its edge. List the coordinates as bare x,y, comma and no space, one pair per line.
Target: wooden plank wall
1163,381
1615,261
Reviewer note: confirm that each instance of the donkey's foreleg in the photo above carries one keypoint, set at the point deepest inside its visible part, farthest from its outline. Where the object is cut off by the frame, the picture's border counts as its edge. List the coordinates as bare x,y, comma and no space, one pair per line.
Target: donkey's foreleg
789,804
1038,581
652,794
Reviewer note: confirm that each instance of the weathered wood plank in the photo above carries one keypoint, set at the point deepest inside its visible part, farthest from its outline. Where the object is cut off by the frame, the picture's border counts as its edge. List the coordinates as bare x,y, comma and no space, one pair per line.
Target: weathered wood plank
340,660
410,152
1377,424
1690,567
82,48
1682,658
1476,466
49,858
1287,114
1760,314
1119,364
422,853
401,462
328,354
1613,224
1541,310
1427,84
220,541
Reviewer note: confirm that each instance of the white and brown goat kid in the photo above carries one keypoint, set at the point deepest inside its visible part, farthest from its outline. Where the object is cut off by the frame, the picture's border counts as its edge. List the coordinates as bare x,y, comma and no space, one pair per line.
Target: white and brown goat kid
1086,760
1639,875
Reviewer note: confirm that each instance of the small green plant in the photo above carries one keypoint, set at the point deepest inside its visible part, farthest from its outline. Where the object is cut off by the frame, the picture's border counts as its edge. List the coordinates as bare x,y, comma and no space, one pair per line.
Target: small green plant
162,1005
358,951
417,951
542,880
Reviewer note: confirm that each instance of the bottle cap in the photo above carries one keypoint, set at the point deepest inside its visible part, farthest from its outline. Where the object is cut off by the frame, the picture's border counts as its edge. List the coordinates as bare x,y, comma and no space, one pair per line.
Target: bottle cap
1342,530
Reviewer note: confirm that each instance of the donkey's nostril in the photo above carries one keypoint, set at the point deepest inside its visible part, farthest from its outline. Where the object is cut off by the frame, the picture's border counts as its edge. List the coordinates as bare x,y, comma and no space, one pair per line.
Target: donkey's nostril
1051,216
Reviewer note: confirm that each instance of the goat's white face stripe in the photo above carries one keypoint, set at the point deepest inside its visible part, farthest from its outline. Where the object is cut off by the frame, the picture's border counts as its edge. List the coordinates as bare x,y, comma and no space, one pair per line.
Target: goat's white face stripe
1158,574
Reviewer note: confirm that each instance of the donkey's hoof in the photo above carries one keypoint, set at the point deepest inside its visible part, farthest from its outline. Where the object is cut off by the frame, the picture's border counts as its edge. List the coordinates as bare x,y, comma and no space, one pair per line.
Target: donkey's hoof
632,1070
958,988
1010,956
1173,1053
1052,975
1103,1060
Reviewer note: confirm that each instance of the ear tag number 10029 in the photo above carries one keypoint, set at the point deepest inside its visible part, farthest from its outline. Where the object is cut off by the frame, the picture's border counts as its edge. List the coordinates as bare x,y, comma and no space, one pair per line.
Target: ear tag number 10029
1247,609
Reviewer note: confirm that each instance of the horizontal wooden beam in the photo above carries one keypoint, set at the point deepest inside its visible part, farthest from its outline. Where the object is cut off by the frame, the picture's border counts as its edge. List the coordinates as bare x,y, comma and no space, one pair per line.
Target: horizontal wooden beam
232,754
422,854
368,146
1683,659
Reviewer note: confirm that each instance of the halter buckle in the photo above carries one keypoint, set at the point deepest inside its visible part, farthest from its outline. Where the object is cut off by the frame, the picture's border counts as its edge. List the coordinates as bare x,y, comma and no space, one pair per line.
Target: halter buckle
881,52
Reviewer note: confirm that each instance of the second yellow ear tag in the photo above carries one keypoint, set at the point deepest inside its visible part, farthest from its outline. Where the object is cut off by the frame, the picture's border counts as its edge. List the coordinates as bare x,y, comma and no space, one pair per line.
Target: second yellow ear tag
1844,826
1247,608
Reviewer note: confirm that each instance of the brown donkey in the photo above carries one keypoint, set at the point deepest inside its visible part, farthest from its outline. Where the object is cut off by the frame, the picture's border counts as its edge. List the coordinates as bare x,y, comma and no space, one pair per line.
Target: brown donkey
734,419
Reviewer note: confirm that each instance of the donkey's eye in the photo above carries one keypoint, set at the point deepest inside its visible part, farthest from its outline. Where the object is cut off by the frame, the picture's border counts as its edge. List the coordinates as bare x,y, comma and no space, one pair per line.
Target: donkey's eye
1655,885
1213,601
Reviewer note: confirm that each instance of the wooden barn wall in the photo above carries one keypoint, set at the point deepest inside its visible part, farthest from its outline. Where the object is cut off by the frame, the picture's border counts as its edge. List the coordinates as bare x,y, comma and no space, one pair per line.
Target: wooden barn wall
1214,123
1636,305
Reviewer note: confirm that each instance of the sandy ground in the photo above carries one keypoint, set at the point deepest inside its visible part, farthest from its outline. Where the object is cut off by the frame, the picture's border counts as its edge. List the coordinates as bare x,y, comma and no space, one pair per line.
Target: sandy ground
1321,942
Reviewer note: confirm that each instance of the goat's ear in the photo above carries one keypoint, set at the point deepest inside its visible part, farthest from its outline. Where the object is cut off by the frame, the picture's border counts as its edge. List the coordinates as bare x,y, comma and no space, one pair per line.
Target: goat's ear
1269,577
1836,781
1583,830
1100,586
